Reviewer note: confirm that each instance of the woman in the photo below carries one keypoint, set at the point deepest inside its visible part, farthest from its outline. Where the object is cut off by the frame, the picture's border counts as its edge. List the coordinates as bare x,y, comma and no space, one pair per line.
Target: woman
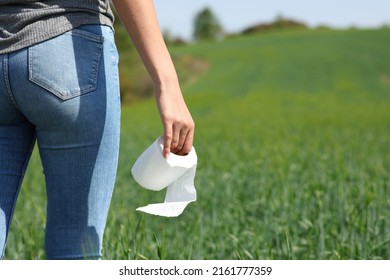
59,88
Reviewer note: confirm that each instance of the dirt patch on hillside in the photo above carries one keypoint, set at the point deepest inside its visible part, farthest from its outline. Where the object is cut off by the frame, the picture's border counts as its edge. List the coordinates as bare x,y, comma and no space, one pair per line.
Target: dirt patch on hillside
140,85
385,79
190,68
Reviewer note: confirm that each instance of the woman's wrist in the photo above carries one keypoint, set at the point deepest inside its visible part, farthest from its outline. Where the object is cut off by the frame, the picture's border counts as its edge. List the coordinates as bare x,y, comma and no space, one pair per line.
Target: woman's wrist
167,84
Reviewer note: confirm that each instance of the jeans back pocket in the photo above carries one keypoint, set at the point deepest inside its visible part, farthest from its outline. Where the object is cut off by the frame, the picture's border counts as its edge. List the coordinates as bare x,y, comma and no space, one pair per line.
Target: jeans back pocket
67,65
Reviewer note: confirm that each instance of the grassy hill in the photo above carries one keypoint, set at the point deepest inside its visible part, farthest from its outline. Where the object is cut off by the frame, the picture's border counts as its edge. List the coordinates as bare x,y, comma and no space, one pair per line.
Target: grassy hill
294,156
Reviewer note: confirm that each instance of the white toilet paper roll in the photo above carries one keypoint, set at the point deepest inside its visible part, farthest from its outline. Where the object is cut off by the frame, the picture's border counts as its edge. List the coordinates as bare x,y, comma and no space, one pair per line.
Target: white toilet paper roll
152,171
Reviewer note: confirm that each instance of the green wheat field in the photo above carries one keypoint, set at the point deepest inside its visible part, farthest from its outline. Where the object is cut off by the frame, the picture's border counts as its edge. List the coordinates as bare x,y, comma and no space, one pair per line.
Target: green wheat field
293,141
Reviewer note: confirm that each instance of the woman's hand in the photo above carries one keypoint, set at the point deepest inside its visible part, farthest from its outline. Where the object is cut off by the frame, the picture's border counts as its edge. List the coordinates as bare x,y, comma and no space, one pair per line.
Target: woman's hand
177,121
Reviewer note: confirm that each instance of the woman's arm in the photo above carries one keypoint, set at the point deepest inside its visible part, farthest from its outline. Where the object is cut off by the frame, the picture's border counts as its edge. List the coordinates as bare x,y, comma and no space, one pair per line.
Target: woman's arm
140,20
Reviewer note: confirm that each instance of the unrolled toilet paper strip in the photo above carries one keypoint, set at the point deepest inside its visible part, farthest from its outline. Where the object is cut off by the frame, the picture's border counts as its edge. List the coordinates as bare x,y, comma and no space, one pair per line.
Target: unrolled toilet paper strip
177,173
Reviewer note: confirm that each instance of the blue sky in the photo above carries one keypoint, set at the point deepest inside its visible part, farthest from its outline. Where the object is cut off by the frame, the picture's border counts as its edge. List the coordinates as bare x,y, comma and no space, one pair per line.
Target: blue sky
177,15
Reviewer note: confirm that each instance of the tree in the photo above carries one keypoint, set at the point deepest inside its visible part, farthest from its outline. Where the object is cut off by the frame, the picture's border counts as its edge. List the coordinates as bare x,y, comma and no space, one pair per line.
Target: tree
206,26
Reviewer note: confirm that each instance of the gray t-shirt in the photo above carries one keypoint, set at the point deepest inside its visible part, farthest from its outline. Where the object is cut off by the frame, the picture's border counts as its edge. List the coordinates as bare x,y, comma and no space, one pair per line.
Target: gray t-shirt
26,22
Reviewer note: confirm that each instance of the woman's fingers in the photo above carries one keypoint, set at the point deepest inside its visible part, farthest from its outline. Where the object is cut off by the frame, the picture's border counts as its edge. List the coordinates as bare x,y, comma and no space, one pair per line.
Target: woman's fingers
167,140
187,143
176,129
178,138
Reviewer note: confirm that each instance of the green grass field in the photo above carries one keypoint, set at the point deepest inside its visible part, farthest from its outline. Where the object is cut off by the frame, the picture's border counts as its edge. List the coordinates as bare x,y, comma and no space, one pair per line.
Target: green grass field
293,140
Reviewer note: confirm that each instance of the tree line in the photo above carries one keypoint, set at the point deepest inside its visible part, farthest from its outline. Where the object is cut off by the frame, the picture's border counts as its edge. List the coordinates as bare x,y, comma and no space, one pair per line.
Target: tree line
207,26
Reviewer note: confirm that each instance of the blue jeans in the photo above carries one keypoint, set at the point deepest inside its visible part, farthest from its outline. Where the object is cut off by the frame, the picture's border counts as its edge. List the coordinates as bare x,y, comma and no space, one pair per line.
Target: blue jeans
64,95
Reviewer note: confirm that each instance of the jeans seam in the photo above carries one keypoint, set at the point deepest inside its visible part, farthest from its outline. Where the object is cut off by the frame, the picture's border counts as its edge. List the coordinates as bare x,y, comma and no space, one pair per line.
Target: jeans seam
7,82
97,38
95,67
